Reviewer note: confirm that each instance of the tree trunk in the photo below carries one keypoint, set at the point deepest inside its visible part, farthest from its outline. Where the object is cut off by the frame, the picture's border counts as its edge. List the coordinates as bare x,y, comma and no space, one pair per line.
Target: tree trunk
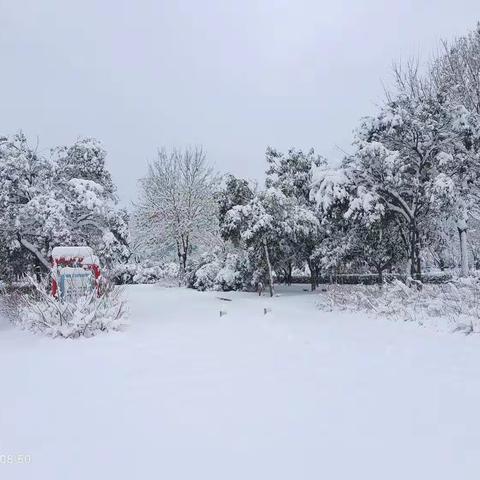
408,272
414,261
412,251
289,273
269,266
180,273
185,246
182,262
380,276
418,260
313,275
462,232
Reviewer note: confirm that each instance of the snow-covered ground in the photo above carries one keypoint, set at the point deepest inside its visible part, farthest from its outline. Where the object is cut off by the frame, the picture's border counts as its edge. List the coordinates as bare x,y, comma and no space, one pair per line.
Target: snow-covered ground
296,393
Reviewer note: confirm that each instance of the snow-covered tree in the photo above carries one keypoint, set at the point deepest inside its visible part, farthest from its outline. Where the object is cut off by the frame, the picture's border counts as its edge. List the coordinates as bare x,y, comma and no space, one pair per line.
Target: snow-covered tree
456,76
415,162
455,72
343,206
89,193
49,201
177,209
292,174
23,177
234,191
268,225
457,184
398,158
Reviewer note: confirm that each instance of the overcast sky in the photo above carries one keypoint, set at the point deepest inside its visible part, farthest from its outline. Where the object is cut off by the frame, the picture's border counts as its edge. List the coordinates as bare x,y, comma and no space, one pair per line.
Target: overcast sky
233,76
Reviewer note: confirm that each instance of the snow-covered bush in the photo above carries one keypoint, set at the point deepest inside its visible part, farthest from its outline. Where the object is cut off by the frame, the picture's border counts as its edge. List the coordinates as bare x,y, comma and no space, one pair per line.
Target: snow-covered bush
235,273
218,270
147,272
85,316
204,277
453,306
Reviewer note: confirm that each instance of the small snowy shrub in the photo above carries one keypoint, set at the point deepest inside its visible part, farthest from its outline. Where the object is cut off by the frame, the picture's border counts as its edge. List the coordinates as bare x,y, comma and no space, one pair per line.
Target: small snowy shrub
453,306
141,273
234,274
204,277
83,317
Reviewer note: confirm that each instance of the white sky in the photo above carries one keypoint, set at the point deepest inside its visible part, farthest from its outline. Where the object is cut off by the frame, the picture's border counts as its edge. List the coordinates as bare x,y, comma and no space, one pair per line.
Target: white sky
233,76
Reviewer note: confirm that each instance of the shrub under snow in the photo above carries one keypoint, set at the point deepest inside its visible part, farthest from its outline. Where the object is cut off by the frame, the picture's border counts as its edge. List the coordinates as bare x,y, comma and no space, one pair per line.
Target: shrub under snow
83,317
220,271
453,306
140,273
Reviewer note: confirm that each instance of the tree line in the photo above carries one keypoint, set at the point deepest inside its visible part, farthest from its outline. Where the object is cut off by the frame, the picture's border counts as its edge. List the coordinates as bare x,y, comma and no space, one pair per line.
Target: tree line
404,201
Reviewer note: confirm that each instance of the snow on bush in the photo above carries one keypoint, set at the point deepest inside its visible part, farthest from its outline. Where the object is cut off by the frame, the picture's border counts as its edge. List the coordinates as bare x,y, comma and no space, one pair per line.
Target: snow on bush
221,271
140,273
85,316
453,306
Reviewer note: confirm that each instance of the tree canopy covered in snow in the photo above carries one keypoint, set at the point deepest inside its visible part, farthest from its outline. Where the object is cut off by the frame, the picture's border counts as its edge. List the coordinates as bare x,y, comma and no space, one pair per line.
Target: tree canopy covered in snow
66,198
177,210
415,167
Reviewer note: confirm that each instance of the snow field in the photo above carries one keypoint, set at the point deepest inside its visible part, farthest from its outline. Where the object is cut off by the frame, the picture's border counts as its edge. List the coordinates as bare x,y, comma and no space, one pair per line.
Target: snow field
186,393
